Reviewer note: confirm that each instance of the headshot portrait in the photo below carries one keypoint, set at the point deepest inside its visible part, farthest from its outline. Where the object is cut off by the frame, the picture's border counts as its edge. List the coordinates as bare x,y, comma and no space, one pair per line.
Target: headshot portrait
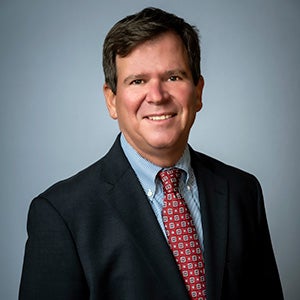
150,150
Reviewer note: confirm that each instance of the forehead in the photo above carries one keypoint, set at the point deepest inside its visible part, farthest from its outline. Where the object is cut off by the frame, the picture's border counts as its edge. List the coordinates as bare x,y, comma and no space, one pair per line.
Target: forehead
165,50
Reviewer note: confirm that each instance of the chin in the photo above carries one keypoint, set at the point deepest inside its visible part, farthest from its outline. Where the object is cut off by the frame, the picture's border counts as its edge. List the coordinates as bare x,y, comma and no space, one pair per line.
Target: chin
164,143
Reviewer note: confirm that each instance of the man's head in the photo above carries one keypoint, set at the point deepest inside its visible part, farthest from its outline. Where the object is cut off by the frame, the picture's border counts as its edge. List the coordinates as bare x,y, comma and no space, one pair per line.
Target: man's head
153,84
146,25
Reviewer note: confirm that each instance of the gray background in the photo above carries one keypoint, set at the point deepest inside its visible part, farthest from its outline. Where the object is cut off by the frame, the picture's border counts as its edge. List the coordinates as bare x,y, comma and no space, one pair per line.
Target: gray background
54,122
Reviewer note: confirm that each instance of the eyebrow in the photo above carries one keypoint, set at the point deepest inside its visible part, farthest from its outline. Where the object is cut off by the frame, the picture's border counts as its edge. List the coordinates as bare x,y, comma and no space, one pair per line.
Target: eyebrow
132,77
180,72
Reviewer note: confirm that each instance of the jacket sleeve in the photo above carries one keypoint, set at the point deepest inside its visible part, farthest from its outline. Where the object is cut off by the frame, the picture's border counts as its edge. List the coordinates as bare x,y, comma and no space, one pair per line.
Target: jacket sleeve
270,282
51,268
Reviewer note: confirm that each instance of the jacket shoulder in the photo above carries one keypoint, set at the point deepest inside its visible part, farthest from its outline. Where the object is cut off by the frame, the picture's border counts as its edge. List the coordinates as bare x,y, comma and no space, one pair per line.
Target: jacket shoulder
221,169
89,183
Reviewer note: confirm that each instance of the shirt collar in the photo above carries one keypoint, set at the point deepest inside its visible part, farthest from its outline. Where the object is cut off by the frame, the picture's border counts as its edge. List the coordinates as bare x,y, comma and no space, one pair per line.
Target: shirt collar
146,171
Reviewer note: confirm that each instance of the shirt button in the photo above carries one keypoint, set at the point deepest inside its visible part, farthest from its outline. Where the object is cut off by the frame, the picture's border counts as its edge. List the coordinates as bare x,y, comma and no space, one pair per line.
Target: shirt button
189,188
149,193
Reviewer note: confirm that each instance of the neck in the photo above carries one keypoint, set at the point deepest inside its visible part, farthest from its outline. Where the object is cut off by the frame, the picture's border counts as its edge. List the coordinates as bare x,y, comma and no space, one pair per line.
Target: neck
164,159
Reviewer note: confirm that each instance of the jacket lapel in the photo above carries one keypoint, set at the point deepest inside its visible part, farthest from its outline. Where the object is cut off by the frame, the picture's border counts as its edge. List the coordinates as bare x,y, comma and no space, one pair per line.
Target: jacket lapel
214,214
131,204
133,208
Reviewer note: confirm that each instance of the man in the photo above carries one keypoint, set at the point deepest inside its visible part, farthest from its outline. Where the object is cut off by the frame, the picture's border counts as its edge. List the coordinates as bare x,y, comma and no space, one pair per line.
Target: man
153,219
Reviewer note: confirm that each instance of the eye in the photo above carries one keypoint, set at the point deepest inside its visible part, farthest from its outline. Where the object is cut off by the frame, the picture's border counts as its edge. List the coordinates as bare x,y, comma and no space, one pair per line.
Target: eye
137,81
174,78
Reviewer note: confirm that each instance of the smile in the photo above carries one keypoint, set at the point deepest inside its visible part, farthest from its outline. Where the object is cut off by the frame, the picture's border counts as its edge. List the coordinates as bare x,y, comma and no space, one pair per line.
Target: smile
159,118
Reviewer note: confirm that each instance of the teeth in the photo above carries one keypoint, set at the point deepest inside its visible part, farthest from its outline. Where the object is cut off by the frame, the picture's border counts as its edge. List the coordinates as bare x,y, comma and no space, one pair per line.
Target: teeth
158,118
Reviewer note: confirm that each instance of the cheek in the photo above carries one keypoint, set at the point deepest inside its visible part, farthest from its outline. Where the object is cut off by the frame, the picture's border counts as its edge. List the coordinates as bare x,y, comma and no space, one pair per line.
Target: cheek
127,105
187,100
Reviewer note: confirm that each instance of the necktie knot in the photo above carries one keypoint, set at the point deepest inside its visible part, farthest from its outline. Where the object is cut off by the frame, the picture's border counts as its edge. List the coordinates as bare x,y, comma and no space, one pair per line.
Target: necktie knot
170,179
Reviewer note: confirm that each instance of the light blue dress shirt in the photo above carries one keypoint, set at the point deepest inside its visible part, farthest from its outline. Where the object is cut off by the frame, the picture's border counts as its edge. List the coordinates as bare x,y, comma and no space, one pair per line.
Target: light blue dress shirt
146,173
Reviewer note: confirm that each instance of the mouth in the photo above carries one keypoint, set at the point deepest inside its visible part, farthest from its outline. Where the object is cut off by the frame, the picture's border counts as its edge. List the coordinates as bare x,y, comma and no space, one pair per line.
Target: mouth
160,117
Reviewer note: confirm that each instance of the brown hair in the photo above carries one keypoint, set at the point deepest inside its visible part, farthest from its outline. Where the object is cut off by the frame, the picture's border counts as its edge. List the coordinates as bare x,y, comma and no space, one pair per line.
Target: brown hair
145,25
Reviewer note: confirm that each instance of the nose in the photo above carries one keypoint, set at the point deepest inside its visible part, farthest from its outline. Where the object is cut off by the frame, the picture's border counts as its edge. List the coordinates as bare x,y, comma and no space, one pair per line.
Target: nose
156,92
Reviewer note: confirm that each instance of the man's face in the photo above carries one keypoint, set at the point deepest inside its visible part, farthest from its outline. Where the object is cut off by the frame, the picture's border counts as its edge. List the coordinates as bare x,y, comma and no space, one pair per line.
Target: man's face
156,100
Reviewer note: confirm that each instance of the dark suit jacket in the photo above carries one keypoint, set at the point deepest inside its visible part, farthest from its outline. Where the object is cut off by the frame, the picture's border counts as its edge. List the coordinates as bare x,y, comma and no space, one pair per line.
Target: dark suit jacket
94,236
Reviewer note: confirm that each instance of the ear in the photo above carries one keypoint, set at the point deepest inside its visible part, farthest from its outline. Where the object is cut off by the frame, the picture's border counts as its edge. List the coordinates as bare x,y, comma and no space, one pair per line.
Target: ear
199,90
110,99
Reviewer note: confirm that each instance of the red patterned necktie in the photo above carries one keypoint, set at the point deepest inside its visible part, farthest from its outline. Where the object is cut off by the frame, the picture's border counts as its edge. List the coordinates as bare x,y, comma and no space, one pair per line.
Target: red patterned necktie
182,236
